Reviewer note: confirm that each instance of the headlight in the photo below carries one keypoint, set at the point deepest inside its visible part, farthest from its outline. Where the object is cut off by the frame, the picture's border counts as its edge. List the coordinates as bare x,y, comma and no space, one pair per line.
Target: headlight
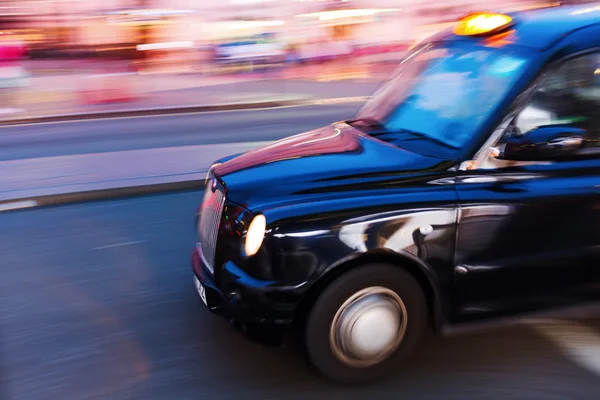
255,235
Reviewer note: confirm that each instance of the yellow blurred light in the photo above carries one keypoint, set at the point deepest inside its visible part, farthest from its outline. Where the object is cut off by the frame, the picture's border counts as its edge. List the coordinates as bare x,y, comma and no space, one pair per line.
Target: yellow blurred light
481,24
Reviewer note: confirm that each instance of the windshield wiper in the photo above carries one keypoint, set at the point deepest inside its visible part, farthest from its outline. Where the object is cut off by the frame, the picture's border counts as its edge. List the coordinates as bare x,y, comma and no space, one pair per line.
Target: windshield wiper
366,122
416,136
385,131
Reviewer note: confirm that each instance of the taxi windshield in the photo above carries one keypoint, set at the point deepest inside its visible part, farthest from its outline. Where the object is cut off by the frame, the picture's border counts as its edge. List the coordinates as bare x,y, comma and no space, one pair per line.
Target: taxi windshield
443,93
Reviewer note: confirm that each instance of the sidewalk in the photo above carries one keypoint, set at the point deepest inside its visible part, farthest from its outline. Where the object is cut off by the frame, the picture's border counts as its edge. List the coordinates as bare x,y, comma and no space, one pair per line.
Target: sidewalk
79,95
55,180
73,92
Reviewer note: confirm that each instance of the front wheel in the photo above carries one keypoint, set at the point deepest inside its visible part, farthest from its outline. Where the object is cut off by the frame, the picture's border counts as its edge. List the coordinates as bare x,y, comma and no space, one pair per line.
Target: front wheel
365,322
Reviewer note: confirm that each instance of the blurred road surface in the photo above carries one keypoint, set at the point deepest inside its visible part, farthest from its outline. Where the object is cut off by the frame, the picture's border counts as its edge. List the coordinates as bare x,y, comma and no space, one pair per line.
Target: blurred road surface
53,139
96,302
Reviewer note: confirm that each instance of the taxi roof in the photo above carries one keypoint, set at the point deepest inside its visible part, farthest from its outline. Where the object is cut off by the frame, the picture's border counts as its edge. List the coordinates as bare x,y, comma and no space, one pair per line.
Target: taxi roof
541,28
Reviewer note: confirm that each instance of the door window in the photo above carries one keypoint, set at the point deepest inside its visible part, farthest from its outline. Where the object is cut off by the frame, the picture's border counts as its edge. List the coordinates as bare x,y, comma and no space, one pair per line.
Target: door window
567,96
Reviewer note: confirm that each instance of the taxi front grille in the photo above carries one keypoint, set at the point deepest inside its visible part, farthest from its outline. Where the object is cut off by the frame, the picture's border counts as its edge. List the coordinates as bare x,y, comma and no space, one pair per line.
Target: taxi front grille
208,225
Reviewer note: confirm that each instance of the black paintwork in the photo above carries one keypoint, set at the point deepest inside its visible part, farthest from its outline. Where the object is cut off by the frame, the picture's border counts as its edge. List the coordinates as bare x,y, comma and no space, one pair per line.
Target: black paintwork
525,238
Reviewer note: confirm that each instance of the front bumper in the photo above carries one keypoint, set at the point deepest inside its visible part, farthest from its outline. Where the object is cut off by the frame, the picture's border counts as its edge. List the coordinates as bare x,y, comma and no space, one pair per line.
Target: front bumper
247,304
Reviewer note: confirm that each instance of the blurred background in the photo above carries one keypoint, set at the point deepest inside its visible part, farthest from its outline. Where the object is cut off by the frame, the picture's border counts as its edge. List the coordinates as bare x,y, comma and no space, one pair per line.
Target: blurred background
107,105
61,55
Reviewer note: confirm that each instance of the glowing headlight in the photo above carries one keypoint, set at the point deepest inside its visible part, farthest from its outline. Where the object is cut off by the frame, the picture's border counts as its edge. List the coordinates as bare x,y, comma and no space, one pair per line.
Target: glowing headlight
255,235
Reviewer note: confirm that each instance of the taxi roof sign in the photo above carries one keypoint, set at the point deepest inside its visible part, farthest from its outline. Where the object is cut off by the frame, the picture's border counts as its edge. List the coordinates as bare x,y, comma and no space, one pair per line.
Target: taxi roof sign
478,24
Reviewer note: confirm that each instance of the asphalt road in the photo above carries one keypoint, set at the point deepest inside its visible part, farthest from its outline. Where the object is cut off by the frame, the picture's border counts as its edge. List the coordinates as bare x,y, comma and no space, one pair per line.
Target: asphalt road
53,139
97,302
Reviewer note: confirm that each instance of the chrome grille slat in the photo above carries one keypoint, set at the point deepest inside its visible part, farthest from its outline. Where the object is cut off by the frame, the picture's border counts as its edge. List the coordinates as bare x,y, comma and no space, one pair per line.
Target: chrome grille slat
208,229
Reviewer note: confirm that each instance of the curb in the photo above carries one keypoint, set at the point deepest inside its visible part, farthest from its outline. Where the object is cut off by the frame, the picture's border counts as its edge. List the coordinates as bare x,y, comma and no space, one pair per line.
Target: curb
140,112
98,195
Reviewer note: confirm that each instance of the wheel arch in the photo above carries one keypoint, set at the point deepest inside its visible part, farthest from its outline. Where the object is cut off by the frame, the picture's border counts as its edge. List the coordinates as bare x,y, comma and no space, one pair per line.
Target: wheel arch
416,267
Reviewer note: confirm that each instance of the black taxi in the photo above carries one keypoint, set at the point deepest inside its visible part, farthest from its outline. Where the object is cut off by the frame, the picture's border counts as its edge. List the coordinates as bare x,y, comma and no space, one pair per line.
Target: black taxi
466,189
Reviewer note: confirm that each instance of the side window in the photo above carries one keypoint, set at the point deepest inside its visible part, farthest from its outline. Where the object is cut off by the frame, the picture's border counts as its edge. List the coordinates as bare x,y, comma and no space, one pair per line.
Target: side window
569,96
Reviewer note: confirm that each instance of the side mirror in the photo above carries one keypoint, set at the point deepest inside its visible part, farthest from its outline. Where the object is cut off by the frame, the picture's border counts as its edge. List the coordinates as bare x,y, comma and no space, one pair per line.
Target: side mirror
547,143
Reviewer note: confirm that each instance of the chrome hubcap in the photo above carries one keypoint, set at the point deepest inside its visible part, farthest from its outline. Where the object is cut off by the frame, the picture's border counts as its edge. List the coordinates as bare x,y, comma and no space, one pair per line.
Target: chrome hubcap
368,327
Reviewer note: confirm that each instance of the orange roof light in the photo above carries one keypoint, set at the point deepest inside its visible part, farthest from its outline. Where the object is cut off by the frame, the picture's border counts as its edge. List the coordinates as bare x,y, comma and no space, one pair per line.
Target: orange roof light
482,24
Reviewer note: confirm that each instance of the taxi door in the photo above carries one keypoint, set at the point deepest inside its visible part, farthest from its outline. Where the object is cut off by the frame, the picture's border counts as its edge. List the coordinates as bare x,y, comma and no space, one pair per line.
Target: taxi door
529,232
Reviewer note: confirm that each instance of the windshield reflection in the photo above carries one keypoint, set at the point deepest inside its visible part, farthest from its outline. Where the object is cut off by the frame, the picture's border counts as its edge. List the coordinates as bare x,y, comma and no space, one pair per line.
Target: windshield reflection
445,92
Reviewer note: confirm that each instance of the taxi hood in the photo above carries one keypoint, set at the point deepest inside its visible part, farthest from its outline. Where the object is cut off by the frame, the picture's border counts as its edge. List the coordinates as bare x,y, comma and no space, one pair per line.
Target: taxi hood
336,160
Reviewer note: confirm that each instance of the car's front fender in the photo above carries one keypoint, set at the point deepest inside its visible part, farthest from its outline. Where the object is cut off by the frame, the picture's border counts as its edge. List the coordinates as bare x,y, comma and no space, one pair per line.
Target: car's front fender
307,250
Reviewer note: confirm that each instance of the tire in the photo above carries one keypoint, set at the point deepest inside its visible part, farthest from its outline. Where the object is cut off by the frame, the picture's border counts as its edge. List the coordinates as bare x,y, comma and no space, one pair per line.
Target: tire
321,343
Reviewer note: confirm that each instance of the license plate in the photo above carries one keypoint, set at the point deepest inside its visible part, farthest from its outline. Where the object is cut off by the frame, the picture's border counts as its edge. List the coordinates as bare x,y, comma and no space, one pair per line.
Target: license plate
201,291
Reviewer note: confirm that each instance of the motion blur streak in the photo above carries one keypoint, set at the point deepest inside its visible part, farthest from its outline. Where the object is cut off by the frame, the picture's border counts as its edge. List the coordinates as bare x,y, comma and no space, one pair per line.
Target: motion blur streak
96,299
124,323
65,56
578,341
